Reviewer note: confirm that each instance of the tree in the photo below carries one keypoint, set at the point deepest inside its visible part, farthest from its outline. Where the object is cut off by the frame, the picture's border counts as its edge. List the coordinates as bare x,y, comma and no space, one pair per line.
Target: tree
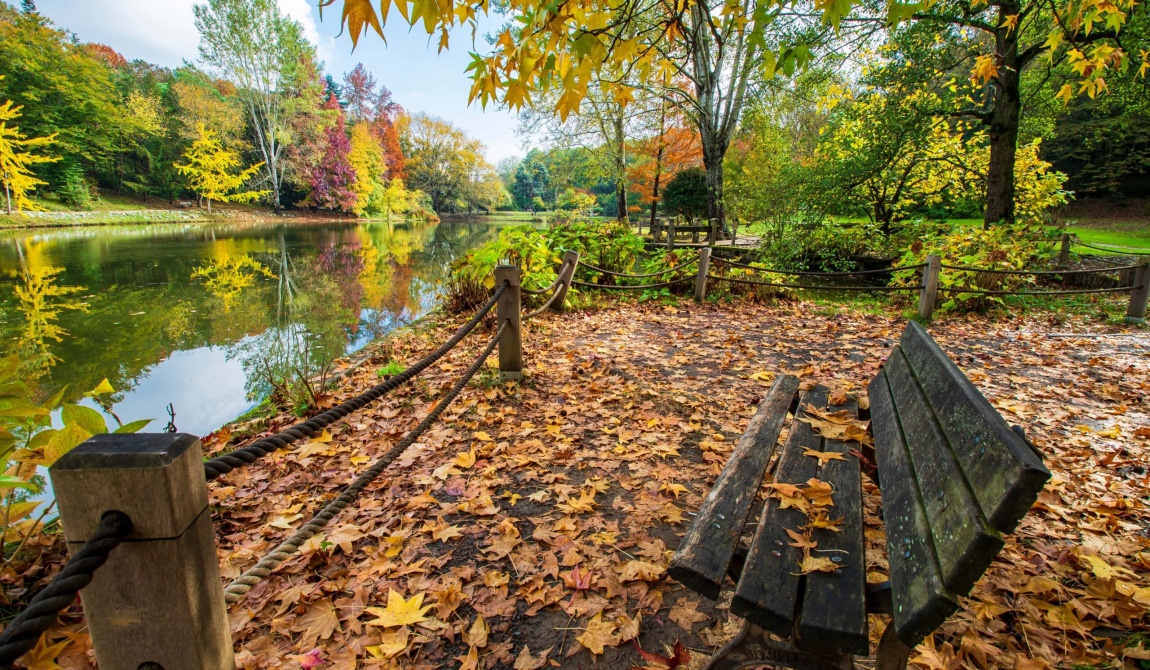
602,127
65,90
376,107
209,169
670,150
333,179
532,182
441,160
718,46
687,192
253,44
17,159
370,166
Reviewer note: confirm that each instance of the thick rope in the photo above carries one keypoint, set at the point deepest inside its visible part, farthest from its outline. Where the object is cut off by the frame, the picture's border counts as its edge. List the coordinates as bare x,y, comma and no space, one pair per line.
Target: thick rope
223,464
542,309
815,288
25,630
1084,291
554,285
260,571
619,287
642,276
1120,252
798,273
1116,268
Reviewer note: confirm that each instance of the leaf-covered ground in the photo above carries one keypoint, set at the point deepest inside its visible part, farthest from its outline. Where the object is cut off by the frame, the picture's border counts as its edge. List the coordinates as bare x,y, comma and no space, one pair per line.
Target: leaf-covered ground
531,526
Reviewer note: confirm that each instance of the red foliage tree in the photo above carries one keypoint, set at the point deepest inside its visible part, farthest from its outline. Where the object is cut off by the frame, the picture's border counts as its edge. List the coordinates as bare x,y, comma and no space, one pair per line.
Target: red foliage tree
332,178
380,111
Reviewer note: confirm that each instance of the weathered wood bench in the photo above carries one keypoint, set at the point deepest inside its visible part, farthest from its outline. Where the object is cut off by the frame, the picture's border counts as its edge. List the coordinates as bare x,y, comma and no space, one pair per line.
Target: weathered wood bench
954,478
673,229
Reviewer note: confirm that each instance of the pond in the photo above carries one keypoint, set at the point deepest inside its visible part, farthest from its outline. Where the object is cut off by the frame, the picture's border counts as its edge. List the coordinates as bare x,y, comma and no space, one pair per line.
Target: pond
195,315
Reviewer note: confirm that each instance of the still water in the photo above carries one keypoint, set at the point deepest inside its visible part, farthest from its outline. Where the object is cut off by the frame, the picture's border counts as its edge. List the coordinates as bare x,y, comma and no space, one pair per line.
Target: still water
192,314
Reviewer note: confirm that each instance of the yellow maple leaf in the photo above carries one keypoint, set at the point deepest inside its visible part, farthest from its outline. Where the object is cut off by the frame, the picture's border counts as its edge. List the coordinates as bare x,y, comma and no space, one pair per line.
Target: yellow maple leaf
43,655
599,634
466,459
1010,23
984,69
824,456
391,643
673,489
818,564
476,636
399,612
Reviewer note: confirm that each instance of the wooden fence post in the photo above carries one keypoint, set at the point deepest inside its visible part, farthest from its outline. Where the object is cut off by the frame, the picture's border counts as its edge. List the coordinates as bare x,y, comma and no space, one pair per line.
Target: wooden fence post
572,260
656,228
511,344
670,233
158,600
1064,251
713,234
929,293
1136,311
701,278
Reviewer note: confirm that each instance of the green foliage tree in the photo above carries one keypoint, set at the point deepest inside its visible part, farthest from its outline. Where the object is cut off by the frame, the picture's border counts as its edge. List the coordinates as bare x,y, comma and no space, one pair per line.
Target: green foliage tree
255,46
17,159
686,193
66,91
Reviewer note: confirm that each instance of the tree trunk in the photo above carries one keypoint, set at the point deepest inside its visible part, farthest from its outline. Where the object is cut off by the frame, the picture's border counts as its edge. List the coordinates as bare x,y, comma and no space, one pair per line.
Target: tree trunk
713,164
209,206
658,162
620,169
1002,127
8,198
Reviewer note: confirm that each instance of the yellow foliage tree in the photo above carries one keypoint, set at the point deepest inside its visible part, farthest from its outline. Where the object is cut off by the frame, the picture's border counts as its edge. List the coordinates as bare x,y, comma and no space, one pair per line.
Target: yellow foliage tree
370,165
209,170
17,159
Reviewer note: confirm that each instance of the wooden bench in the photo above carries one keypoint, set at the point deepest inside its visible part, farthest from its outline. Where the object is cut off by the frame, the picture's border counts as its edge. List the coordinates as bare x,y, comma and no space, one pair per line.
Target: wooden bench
954,479
673,229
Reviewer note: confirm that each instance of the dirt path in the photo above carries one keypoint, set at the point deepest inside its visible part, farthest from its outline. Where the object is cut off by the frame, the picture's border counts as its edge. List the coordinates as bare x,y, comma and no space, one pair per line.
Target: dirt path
549,509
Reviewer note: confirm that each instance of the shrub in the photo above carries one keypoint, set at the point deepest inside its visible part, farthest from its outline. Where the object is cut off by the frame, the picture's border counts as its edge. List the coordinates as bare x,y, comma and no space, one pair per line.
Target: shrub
1022,246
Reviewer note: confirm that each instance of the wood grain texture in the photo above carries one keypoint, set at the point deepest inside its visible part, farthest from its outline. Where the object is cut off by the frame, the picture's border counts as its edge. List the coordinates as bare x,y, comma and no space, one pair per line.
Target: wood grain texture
964,543
833,615
702,559
769,590
921,602
1003,472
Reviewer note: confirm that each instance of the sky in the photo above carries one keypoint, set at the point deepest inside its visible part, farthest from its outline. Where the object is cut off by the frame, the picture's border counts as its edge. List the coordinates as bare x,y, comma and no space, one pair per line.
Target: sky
163,32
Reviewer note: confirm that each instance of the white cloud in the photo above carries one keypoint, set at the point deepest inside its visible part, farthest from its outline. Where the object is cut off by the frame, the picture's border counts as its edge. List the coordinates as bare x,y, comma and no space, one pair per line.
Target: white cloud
160,32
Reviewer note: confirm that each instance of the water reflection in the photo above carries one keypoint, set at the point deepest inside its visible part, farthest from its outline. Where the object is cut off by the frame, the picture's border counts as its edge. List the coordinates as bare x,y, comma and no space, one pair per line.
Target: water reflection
197,315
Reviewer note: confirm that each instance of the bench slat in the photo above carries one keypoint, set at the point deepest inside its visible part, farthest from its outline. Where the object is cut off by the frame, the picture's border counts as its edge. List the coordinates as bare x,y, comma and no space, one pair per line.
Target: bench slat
965,546
1005,474
702,559
921,602
768,591
834,604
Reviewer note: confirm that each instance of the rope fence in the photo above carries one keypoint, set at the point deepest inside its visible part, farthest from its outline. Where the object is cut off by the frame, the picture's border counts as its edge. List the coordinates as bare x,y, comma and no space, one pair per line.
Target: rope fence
221,465
25,630
1041,273
1084,291
1127,251
554,285
630,287
648,275
235,591
811,287
798,273
177,584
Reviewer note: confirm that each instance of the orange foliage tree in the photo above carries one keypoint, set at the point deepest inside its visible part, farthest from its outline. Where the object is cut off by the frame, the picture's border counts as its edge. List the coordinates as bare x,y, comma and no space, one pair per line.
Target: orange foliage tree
674,147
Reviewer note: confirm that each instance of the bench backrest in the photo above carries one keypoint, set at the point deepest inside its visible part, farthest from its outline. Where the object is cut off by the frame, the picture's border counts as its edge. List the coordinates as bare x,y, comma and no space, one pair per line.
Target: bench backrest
954,478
